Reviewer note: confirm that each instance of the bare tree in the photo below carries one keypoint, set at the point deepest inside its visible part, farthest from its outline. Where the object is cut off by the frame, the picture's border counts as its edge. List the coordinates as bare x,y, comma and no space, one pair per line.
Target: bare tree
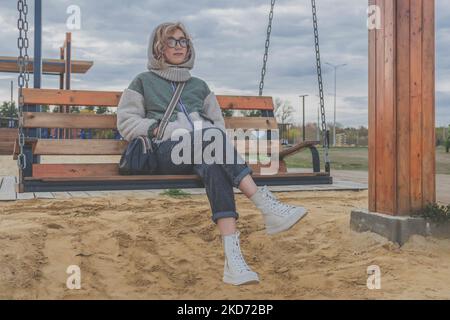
283,110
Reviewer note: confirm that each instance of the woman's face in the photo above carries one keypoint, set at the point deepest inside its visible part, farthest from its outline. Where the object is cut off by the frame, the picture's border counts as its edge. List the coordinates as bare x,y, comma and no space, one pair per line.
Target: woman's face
176,55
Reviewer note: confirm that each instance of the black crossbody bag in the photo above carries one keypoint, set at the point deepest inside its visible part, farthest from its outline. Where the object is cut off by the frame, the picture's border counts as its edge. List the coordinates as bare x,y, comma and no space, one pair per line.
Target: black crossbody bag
139,158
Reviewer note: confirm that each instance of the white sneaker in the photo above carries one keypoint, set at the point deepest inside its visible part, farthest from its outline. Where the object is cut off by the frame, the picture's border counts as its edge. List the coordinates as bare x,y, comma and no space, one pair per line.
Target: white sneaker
278,216
236,271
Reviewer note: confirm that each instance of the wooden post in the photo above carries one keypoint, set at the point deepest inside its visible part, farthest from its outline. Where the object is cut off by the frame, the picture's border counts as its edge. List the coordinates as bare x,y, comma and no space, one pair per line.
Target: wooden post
68,73
62,56
402,107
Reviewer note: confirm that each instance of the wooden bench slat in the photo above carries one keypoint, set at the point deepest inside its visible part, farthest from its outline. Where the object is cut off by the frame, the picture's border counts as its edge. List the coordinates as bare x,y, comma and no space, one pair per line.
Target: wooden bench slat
8,133
96,121
79,147
227,102
116,147
6,148
50,170
72,97
68,120
111,99
245,123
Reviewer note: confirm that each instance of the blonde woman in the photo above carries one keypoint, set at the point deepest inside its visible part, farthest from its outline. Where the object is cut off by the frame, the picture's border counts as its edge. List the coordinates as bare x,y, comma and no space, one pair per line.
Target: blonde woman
171,56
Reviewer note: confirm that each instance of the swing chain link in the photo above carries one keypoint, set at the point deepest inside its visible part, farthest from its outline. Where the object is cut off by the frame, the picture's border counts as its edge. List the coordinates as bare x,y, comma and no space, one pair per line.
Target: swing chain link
325,132
266,52
24,75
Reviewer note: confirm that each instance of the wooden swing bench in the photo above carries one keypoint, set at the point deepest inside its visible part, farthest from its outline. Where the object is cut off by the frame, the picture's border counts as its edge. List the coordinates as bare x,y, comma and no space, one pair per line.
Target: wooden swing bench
51,177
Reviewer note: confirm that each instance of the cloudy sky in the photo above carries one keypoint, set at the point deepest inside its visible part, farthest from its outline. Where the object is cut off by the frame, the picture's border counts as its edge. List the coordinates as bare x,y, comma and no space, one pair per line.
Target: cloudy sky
229,38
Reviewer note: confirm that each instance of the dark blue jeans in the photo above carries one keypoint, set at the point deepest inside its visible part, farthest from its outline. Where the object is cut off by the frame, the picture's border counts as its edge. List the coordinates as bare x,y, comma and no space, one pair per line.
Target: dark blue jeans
219,177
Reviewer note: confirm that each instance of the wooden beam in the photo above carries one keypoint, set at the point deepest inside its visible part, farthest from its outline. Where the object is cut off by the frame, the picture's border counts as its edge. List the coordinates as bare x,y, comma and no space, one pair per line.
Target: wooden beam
49,66
402,107
373,93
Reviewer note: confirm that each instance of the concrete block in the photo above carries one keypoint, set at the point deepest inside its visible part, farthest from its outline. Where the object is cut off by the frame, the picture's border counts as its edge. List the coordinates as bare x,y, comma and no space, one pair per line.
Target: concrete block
396,229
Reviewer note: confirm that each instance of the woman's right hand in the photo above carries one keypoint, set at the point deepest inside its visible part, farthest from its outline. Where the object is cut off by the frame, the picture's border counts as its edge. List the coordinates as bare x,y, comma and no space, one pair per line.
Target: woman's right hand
155,131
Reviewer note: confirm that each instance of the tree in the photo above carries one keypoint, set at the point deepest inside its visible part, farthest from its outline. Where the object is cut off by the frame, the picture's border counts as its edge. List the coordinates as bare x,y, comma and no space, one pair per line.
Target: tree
8,110
283,110
101,110
227,113
252,113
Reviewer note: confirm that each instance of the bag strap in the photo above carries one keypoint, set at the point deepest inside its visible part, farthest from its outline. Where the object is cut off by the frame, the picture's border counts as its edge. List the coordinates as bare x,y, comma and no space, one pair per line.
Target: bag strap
173,103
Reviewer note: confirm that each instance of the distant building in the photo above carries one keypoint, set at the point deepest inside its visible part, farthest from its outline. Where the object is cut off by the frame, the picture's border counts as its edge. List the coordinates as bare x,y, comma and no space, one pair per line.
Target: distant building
341,140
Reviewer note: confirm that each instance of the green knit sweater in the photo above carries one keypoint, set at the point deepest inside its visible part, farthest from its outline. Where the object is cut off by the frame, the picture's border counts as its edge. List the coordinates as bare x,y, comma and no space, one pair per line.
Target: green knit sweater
144,102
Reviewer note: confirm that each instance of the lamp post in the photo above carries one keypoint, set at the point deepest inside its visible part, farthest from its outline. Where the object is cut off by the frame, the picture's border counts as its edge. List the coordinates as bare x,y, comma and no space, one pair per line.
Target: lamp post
335,93
304,131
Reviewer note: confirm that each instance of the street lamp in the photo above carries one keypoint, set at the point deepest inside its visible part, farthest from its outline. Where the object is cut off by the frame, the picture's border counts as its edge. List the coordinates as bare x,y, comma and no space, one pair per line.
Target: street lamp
335,91
304,96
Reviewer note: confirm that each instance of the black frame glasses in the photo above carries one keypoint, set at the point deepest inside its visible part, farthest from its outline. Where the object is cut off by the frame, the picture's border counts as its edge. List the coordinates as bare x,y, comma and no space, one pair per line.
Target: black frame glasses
172,42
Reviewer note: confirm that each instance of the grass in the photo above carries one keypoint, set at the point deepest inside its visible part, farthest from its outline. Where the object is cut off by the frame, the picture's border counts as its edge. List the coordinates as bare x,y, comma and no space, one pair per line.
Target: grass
356,158
175,193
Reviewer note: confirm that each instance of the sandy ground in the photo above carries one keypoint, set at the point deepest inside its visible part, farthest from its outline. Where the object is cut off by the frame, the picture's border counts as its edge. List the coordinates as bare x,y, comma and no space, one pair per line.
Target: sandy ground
148,246
160,247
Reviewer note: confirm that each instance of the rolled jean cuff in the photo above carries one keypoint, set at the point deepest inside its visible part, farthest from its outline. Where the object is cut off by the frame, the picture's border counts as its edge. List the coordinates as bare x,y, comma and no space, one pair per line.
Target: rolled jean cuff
224,214
237,180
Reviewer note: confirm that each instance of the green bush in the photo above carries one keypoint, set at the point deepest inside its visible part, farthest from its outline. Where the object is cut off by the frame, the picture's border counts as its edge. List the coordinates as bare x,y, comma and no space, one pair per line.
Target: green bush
435,213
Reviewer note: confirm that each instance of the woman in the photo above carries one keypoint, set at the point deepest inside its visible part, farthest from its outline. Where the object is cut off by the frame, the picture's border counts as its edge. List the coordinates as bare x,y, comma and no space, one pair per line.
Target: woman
171,55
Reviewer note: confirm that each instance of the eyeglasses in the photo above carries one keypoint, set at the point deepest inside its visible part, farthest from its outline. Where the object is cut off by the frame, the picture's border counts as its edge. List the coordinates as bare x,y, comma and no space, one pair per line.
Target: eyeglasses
172,42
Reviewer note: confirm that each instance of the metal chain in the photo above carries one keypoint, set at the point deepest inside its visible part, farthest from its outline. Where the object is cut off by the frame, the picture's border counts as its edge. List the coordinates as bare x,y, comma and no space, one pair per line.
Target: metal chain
266,53
24,76
325,132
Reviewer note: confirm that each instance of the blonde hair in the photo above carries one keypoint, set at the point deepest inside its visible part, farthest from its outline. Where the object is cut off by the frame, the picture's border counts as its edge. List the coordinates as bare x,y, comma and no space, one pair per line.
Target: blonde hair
162,33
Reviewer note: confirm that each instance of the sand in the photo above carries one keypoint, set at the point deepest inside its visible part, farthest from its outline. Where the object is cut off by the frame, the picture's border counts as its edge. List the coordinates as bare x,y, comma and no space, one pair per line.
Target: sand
158,247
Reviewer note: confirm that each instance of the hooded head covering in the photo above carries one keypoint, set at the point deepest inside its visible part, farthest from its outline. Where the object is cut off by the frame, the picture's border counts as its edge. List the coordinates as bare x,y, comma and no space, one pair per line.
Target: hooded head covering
177,73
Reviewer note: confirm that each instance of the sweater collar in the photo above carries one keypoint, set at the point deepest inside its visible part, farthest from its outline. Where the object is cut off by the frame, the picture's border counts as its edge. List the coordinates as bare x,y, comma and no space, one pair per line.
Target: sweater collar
173,74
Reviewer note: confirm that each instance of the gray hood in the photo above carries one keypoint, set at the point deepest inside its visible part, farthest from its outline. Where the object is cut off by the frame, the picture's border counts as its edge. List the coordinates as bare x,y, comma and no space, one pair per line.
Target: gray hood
175,73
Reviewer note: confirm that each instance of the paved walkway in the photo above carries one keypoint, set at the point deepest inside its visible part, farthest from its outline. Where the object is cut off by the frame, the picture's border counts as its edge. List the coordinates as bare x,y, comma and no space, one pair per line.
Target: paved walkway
8,193
442,182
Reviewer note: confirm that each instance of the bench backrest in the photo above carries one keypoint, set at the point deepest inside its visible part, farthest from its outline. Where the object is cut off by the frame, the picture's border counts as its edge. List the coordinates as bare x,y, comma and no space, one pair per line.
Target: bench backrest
111,99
